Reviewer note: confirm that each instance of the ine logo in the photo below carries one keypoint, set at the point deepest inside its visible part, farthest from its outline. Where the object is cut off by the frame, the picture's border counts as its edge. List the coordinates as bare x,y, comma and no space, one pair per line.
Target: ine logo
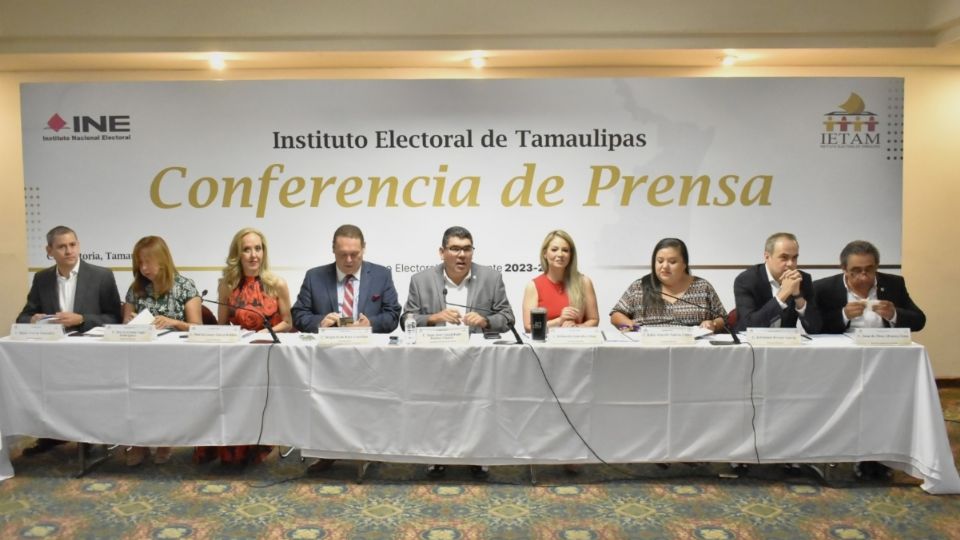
851,127
89,128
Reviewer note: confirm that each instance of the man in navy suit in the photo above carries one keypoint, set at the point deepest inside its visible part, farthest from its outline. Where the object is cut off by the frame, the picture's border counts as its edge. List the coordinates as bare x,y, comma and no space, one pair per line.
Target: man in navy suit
862,297
73,293
777,293
347,290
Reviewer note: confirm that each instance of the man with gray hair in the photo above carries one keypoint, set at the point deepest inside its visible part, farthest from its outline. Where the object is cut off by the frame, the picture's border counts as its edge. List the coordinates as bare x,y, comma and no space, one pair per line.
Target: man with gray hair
776,292
863,297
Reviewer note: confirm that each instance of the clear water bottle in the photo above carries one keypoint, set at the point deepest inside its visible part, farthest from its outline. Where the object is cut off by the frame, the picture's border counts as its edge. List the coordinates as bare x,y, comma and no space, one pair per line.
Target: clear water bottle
411,329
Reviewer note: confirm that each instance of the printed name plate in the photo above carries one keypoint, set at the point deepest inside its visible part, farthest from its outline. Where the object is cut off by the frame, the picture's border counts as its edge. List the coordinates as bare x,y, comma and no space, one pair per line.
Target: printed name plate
129,332
666,335
773,337
36,332
574,336
443,335
882,336
200,333
347,335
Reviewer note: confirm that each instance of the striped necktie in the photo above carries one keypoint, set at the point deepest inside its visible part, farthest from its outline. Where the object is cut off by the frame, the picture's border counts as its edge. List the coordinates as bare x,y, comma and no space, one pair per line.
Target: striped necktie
347,308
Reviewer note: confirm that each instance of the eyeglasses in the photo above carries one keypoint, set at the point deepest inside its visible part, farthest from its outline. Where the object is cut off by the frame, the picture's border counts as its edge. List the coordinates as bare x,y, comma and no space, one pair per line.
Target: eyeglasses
868,271
456,250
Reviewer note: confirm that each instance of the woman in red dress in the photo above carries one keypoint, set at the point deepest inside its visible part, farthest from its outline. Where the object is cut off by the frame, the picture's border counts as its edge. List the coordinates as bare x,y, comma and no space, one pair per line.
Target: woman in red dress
248,283
567,295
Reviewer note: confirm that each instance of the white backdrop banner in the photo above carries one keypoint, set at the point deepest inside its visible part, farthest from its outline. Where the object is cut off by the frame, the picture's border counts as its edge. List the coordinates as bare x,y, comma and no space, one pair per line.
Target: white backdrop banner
618,163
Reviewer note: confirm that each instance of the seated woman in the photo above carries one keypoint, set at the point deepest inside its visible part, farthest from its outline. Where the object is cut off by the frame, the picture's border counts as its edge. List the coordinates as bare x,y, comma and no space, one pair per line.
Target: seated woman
669,295
567,295
172,299
249,284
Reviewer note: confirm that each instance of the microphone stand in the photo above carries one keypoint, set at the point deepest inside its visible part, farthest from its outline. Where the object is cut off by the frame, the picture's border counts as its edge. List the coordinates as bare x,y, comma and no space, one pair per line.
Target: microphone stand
731,331
266,322
510,324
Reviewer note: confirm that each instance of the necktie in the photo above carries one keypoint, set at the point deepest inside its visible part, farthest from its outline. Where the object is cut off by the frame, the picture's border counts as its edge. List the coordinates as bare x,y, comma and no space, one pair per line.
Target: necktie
347,308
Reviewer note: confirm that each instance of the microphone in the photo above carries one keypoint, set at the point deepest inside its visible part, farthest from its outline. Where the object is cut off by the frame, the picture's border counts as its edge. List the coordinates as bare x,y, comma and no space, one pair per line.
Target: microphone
731,331
510,324
266,322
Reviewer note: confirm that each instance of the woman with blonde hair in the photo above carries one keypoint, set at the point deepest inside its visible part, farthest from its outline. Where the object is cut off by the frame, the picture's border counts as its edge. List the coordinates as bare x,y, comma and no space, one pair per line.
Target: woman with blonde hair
567,295
172,299
249,294
247,282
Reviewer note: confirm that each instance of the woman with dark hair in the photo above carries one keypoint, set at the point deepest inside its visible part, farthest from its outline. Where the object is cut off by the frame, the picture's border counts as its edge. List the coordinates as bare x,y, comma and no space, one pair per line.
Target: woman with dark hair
172,299
669,295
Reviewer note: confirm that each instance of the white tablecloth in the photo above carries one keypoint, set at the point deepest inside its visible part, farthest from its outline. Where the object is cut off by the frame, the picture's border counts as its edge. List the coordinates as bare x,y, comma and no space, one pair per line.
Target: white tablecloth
824,401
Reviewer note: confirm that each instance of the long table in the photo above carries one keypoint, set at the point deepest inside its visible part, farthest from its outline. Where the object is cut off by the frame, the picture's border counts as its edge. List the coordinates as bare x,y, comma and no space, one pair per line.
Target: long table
822,402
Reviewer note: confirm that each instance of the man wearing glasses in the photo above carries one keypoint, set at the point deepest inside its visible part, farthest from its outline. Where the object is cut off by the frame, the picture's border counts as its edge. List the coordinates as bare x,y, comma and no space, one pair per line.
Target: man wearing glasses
458,291
862,297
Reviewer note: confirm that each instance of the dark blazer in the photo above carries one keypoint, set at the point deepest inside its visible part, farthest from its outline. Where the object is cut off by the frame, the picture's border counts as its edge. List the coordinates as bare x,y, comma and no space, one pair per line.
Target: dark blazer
832,297
756,306
377,298
96,298
487,294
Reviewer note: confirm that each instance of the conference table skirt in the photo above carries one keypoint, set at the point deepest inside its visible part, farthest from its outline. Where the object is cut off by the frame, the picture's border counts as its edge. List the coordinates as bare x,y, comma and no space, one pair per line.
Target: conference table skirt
824,401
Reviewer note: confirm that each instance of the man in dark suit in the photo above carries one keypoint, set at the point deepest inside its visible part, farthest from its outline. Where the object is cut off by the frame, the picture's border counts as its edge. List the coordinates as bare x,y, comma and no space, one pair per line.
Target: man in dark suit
73,293
349,290
776,293
862,297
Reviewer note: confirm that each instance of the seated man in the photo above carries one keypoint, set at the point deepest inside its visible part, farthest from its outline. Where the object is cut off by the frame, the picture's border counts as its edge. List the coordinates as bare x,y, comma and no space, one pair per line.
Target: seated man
348,289
73,293
844,299
862,297
776,293
456,291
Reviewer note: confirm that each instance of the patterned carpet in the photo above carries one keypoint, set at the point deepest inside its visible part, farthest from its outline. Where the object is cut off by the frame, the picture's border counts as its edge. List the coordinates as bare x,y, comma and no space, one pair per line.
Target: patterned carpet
278,500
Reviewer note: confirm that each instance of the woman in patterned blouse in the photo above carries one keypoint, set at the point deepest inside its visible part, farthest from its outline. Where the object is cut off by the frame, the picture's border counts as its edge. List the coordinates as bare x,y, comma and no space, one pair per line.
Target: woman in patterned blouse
172,299
669,294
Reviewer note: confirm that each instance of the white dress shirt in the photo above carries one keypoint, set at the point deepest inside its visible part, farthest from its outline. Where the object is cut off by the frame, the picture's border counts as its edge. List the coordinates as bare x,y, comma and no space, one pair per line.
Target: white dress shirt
870,318
458,294
67,288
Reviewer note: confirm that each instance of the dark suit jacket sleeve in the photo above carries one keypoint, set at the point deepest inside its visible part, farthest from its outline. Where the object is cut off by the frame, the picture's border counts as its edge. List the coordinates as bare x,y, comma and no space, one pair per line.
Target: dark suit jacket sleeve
305,318
33,305
108,299
754,309
909,315
831,301
385,320
812,321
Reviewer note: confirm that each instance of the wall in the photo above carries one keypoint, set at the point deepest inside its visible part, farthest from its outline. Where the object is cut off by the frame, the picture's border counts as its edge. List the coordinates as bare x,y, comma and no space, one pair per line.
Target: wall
931,165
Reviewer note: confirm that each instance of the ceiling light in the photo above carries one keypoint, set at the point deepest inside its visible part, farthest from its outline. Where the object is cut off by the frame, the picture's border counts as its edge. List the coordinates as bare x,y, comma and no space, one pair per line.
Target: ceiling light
217,61
478,60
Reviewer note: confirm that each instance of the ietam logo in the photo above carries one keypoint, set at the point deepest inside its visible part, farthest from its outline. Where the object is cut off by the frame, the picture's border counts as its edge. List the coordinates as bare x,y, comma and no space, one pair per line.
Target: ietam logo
851,126
89,128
